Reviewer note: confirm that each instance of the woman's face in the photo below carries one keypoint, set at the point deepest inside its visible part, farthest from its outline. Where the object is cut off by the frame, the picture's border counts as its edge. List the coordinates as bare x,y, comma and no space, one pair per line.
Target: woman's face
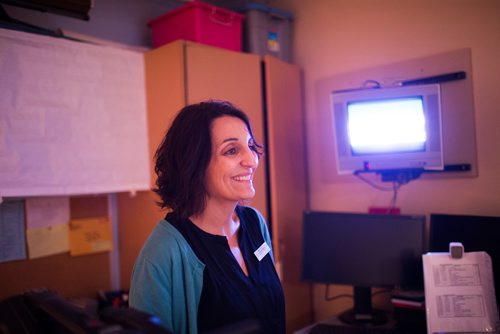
229,176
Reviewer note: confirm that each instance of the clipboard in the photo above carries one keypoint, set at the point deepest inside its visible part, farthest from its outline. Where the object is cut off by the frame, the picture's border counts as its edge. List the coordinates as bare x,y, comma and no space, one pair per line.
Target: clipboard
459,292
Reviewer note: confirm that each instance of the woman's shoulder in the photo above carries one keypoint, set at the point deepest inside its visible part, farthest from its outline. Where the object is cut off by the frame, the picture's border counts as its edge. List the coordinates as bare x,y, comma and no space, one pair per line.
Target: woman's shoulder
165,243
252,213
165,231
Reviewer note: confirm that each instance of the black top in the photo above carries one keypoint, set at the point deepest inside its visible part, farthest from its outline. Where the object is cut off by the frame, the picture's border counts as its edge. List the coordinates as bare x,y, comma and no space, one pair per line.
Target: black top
228,295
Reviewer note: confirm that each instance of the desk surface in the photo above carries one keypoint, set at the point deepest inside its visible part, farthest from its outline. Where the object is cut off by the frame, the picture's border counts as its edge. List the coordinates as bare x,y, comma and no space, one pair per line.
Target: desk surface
335,320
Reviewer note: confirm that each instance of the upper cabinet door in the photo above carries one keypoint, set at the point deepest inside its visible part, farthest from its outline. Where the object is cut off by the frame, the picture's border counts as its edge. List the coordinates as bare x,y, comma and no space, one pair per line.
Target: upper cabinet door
214,73
165,92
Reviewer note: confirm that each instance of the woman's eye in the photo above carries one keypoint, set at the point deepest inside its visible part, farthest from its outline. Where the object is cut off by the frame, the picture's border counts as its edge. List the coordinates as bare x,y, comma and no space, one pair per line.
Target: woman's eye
231,151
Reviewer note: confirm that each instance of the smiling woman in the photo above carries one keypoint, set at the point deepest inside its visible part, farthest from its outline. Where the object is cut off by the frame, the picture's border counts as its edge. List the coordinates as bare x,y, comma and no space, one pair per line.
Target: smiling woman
209,263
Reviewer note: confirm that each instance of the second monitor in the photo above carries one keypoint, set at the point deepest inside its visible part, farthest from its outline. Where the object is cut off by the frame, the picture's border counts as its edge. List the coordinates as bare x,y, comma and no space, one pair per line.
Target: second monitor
365,251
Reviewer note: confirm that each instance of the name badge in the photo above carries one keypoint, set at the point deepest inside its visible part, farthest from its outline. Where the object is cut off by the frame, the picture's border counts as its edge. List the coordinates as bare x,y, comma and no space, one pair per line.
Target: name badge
262,251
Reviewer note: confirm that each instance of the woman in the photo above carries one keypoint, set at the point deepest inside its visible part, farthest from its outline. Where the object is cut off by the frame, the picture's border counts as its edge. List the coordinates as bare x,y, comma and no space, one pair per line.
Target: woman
209,263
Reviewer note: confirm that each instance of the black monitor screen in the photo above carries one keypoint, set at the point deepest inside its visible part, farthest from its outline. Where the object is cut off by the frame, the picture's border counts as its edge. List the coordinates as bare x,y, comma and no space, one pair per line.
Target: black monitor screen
476,233
363,250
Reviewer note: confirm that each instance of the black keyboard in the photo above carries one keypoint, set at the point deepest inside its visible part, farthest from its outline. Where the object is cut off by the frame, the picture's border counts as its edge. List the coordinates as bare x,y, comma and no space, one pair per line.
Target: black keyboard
341,329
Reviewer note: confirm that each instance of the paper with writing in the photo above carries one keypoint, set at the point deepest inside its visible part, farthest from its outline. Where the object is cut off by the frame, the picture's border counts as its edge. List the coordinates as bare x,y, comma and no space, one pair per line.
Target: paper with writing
459,293
46,241
12,240
91,235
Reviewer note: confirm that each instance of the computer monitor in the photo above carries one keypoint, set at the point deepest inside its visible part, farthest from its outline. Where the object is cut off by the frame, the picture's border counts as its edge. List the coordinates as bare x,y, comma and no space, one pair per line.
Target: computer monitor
476,233
365,251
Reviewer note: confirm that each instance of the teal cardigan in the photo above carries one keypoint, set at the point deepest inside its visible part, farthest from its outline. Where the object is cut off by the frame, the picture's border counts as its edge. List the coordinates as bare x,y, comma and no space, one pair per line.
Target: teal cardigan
167,278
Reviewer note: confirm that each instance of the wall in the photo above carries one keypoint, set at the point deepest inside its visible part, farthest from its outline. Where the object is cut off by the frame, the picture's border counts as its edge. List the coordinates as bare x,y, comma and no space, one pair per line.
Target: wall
338,36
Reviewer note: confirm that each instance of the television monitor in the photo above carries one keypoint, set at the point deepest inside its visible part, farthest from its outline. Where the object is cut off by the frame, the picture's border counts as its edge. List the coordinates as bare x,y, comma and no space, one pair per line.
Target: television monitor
476,233
365,251
394,128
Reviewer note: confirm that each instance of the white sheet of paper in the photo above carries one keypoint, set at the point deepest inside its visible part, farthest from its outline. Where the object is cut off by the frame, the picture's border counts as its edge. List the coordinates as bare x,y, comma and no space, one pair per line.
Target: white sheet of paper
73,117
459,293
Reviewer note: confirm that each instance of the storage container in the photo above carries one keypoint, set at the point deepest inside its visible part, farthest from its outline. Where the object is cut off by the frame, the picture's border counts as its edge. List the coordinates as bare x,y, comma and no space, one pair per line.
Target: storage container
199,22
267,31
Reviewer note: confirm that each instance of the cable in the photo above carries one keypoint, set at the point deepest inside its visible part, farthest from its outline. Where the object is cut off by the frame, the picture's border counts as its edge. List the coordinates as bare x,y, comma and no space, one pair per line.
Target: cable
327,298
376,186
395,186
398,179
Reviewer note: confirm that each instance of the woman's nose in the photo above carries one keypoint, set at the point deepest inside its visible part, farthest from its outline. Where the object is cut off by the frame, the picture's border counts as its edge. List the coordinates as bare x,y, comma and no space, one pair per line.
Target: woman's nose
250,158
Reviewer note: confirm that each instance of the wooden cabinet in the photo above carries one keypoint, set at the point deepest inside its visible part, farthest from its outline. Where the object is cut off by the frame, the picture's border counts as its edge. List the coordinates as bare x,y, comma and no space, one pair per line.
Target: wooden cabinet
268,90
287,181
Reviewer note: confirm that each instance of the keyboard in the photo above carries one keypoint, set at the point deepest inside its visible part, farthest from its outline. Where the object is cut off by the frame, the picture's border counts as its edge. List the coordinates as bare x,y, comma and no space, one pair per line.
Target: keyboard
341,329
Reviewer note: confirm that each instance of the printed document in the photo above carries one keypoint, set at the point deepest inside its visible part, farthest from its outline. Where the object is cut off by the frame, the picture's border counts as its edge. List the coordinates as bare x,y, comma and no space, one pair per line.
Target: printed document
459,293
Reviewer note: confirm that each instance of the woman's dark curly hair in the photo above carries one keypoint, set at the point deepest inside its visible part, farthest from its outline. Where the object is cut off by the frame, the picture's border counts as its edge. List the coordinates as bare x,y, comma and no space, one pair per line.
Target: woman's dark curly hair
182,158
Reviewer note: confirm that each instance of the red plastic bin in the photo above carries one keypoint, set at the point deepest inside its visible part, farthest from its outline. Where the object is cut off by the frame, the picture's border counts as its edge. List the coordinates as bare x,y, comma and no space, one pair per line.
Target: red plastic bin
199,22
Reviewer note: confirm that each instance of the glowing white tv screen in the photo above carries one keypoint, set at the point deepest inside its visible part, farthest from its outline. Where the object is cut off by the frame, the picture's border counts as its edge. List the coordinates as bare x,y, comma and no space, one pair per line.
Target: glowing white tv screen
386,126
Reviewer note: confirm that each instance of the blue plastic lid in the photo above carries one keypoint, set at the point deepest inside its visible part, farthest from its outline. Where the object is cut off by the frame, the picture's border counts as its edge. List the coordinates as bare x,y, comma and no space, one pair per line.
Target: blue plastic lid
267,9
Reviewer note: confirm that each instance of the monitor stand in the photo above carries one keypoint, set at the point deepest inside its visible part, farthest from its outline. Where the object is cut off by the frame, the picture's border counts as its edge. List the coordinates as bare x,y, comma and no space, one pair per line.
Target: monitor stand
363,313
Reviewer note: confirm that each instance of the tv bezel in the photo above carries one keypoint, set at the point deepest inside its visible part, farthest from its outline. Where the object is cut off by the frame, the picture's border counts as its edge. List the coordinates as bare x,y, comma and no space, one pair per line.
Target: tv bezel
431,158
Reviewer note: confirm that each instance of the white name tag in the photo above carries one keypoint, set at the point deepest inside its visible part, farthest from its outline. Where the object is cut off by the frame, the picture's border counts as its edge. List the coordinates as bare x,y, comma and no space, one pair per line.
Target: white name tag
262,251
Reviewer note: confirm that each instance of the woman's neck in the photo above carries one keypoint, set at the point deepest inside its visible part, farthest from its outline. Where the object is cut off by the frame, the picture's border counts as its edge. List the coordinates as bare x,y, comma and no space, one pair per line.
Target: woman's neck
218,220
